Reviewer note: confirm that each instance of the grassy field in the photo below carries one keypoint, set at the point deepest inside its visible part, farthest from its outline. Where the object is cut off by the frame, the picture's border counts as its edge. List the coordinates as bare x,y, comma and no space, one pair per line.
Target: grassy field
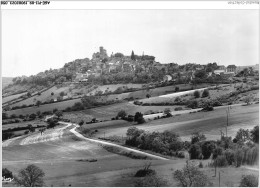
11,97
137,94
59,159
110,111
64,162
42,108
209,123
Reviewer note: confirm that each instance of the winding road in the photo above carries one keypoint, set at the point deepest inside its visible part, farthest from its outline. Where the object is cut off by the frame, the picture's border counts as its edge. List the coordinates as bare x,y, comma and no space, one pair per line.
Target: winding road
58,133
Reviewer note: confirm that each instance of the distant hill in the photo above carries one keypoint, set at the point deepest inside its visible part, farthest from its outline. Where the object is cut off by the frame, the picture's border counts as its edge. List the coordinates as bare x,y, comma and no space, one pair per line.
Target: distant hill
6,81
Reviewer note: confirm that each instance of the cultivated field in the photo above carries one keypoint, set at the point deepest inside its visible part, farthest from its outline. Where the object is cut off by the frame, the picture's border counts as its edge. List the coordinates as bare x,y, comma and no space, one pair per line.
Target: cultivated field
214,93
42,108
23,124
64,104
64,159
209,123
11,97
110,111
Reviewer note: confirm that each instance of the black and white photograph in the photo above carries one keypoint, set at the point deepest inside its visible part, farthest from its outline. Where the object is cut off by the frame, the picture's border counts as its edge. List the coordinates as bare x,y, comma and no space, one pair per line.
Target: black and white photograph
134,94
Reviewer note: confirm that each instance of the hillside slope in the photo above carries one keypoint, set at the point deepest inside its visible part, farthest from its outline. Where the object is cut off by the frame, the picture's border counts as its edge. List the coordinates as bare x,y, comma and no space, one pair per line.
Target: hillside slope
6,81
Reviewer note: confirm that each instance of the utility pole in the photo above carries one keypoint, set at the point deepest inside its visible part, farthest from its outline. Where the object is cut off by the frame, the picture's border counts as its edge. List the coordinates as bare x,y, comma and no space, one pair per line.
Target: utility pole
219,178
227,112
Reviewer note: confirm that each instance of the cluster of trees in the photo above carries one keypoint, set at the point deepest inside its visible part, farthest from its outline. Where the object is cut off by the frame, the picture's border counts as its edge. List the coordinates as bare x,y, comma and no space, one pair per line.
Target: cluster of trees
128,77
30,176
243,149
16,119
205,93
138,117
166,143
46,78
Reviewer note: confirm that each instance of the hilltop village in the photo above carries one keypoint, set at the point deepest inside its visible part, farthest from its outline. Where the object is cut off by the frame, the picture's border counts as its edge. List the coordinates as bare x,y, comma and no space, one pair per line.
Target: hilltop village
105,69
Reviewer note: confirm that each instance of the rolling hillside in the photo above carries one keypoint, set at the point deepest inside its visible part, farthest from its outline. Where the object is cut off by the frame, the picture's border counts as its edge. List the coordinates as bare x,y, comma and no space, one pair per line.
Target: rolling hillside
6,81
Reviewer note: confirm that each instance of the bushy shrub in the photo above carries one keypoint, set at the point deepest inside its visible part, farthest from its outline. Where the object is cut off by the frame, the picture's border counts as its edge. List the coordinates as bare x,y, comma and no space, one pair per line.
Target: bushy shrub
177,99
230,156
221,161
238,157
181,154
205,93
146,171
151,181
217,152
193,104
249,181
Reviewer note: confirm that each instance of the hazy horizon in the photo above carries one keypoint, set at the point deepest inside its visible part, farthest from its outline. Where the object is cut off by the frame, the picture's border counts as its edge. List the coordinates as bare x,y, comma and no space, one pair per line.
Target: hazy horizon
34,41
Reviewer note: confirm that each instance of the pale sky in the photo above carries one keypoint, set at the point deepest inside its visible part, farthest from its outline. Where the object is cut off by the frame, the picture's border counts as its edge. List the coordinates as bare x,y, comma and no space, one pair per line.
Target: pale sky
37,40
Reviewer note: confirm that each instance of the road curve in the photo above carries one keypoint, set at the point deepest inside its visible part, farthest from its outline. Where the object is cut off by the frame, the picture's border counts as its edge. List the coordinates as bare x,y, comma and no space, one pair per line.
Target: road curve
73,130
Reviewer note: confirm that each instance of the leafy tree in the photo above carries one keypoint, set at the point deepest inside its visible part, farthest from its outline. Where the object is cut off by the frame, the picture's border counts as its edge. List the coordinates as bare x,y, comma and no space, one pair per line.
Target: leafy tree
31,176
167,111
122,114
52,93
193,104
197,137
148,96
29,94
242,135
88,101
247,100
249,181
139,118
51,123
7,173
81,122
134,132
195,151
58,114
205,93
133,55
207,148
216,152
191,176
201,74
120,55
254,134
196,94
62,93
